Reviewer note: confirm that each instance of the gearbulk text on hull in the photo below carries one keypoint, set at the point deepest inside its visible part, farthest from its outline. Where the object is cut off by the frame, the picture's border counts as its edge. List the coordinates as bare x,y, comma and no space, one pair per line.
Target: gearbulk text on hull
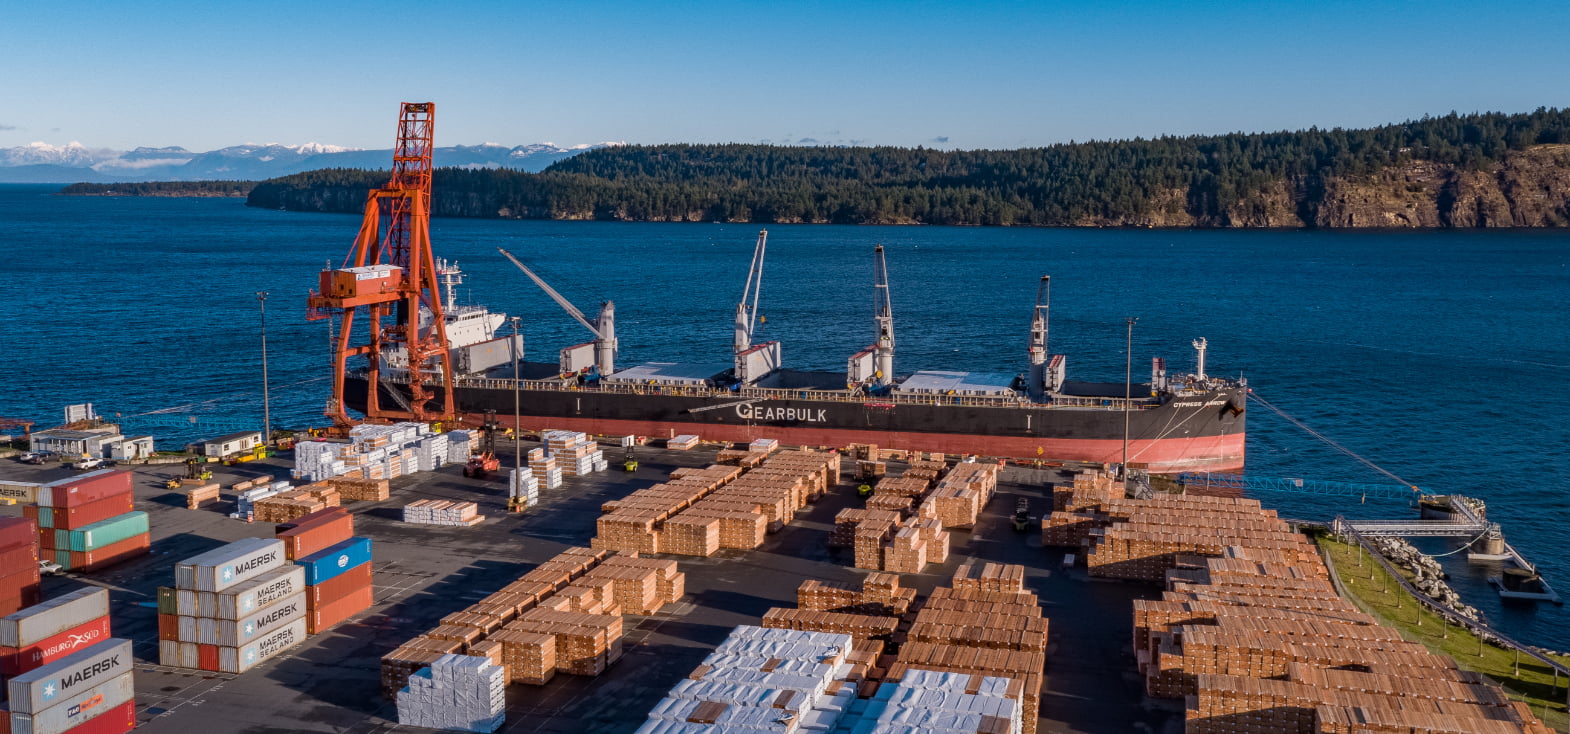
1178,423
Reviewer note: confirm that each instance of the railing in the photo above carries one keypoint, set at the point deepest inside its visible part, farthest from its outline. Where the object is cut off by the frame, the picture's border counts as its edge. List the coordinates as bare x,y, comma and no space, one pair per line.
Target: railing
492,383
1343,529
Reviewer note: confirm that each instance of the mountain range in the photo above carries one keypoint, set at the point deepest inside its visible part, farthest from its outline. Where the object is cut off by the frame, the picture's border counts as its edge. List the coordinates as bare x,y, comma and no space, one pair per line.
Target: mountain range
77,163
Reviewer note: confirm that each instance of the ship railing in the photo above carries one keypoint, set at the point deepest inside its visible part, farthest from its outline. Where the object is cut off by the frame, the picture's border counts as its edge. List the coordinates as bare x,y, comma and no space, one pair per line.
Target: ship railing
495,383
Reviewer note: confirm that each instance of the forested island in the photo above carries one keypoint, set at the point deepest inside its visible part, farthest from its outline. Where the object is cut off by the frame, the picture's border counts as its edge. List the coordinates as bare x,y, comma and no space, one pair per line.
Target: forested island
1477,170
162,188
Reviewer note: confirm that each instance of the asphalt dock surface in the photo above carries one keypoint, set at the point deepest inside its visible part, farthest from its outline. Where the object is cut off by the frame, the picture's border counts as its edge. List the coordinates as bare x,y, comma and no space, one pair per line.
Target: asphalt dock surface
422,573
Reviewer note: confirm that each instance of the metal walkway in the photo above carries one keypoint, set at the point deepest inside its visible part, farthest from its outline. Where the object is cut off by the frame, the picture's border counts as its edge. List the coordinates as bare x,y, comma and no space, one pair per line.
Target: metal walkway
1465,523
1252,483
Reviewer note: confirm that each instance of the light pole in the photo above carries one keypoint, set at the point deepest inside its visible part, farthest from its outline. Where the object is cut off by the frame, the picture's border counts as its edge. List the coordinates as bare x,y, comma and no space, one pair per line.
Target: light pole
517,452
267,416
1128,380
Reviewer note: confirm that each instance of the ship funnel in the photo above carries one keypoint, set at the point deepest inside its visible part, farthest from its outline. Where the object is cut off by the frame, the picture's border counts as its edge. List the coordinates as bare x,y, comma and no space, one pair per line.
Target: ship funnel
1199,349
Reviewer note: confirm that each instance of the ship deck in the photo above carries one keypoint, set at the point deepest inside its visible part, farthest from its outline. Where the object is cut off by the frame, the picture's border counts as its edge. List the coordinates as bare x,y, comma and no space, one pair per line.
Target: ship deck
330,683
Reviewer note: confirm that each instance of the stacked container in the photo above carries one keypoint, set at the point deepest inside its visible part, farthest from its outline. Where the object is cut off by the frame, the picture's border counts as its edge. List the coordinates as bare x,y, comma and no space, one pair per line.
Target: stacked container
18,563
337,578
232,608
86,522
89,690
43,633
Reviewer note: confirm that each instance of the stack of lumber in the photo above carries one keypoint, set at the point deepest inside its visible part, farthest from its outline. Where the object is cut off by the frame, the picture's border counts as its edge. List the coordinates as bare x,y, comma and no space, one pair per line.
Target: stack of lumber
442,512
360,490
846,522
195,496
984,625
698,513
286,506
959,496
683,442
877,594
1252,634
858,626
891,534
563,616
871,536
916,542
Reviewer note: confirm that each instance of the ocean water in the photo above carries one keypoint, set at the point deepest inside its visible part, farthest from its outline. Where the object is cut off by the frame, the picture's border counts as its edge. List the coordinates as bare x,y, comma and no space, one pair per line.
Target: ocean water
1439,356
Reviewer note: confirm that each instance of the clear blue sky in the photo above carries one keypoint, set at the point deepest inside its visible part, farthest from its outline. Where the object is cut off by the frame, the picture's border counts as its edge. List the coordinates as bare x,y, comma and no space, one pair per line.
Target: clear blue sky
971,75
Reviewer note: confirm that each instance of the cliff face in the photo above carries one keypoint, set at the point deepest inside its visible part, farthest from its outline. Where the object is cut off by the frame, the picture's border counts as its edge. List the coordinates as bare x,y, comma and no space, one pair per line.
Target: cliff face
1529,188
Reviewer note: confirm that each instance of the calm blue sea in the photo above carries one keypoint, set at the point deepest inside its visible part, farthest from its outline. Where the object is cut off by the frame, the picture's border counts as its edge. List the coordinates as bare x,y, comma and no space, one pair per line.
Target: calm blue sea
1441,356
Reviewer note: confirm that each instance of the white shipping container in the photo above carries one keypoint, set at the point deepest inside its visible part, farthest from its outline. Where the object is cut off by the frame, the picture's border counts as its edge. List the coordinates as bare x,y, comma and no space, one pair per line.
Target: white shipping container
59,681
241,659
260,593
76,710
52,617
232,564
237,633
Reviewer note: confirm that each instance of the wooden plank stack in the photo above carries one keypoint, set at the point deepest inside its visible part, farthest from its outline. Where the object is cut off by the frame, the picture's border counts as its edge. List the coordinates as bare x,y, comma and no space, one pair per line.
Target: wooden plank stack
858,626
1253,634
442,512
360,490
891,534
195,496
959,496
286,506
563,616
878,594
848,519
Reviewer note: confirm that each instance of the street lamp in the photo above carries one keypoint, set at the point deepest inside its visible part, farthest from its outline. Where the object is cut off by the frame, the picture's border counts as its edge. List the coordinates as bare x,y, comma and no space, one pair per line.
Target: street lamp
1128,380
267,417
517,451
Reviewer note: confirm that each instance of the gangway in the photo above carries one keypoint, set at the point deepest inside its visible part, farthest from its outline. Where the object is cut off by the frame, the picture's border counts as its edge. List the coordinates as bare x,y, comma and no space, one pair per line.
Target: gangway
1254,483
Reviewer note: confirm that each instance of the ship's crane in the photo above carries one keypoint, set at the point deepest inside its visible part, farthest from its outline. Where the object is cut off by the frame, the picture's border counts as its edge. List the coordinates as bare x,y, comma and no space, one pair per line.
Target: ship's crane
604,328
883,316
390,275
753,362
1038,339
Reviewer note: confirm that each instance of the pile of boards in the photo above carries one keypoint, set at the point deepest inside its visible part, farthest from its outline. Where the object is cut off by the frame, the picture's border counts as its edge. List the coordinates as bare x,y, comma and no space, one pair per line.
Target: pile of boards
63,671
684,442
197,494
455,693
905,524
381,452
699,511
290,504
1254,636
452,513
983,626
86,522
574,453
564,616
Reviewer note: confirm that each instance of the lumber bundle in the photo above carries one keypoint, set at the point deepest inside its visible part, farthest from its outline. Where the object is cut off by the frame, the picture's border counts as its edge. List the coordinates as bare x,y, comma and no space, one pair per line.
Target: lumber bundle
288,505
877,594
562,616
360,490
892,533
195,496
1253,635
858,626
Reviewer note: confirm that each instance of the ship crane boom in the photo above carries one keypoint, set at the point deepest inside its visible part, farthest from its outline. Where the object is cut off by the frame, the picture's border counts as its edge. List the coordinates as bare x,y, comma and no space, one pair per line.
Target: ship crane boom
604,331
747,314
883,316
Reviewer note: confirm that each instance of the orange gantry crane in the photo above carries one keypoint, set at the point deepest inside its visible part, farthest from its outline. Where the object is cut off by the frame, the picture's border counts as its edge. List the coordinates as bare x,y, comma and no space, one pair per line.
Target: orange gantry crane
389,275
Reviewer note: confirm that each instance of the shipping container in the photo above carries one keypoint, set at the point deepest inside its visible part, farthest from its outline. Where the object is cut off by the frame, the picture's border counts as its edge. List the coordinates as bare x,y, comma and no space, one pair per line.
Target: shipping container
100,534
232,564
260,593
318,534
117,720
330,563
21,492
80,516
78,708
326,615
166,600
61,613
53,684
84,488
16,558
176,654
340,586
136,545
241,659
17,531
235,633
18,660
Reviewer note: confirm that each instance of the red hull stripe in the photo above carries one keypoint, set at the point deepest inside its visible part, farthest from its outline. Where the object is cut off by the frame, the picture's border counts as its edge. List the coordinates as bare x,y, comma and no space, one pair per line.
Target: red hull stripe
1208,453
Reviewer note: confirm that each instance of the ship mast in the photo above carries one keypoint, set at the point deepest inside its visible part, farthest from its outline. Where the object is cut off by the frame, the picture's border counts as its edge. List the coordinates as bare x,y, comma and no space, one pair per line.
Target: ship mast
1199,347
883,316
753,363
1038,339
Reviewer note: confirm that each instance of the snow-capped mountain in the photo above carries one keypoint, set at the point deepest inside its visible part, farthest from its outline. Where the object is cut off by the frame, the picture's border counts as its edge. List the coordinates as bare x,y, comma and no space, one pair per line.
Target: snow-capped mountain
74,162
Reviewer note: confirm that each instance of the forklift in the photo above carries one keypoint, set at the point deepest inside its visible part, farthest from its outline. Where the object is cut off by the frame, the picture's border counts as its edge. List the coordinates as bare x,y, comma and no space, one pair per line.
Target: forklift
485,461
629,462
191,472
1021,517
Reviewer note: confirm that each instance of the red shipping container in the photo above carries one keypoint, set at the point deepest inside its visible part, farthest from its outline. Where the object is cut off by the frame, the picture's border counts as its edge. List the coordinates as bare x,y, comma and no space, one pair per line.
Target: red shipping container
207,657
310,517
46,538
17,557
168,627
18,660
323,617
28,596
18,577
110,554
15,530
80,516
338,587
117,720
84,489
301,541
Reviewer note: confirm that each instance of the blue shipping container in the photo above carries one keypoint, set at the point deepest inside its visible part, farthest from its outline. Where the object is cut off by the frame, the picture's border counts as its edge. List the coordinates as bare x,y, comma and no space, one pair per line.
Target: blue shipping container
328,564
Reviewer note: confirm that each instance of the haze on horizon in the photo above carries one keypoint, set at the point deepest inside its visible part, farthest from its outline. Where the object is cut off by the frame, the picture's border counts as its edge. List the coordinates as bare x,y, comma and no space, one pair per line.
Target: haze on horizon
205,75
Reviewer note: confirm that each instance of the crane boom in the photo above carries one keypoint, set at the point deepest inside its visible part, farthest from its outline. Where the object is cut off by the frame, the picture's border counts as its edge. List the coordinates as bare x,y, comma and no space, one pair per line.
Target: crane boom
883,316
747,316
557,297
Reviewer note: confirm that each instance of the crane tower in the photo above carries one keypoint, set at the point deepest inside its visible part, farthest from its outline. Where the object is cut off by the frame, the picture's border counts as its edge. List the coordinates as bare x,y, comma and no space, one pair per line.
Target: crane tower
390,276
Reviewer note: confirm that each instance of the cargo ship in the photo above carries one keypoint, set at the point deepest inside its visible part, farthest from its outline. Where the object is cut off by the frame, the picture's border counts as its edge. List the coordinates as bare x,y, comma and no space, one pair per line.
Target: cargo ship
1173,423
